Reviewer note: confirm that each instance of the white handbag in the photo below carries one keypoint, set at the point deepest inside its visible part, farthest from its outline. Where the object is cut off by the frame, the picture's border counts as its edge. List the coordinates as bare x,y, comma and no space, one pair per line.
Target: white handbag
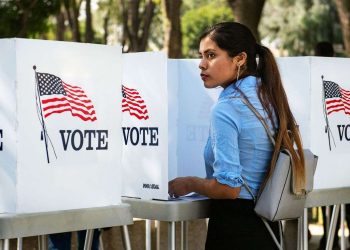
276,200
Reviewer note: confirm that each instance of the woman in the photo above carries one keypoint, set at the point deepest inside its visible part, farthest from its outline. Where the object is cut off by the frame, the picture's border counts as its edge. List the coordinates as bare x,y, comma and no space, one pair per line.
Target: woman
238,149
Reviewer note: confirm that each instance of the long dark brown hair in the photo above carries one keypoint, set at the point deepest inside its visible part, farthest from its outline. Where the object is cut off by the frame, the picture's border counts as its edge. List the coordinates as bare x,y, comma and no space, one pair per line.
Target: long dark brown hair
236,38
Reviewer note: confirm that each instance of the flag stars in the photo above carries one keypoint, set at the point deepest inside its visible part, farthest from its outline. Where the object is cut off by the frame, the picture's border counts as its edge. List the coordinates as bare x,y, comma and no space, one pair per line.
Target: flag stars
50,84
331,90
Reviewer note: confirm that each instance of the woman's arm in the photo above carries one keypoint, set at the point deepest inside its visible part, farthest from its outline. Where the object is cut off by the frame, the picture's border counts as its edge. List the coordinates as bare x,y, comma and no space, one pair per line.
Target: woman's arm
208,187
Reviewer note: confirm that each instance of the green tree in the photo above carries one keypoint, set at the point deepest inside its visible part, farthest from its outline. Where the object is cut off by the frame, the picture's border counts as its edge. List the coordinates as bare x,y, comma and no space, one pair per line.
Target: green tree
26,18
296,26
196,20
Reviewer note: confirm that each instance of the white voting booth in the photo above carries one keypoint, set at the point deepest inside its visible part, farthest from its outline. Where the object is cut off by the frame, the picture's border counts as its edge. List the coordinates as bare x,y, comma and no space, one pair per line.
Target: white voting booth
60,143
318,90
165,122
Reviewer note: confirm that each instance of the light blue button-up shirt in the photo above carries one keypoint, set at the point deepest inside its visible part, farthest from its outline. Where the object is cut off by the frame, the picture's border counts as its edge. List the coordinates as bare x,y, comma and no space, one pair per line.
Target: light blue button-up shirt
238,145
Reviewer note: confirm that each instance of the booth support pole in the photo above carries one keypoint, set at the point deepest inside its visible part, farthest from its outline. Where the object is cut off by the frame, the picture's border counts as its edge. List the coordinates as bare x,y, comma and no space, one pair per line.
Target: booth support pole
332,227
171,235
19,243
4,244
300,233
342,226
157,226
184,230
148,234
42,242
305,230
328,216
88,239
126,238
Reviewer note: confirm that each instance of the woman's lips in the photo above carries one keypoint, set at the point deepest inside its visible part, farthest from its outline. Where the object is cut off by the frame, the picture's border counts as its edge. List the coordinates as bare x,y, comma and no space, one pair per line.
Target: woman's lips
204,76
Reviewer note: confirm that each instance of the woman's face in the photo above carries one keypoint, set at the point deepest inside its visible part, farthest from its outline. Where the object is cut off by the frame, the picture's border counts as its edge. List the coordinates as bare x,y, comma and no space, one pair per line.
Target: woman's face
217,67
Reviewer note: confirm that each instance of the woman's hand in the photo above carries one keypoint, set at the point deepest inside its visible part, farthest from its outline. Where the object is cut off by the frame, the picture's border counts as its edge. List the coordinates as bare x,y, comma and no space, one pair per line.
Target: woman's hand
180,186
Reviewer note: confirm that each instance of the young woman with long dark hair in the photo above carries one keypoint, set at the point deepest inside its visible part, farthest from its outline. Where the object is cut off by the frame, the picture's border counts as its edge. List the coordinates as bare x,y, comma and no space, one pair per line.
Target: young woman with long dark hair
238,149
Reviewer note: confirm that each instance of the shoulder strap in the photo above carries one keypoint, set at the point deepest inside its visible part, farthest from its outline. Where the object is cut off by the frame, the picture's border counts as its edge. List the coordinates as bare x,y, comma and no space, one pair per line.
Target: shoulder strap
257,114
263,122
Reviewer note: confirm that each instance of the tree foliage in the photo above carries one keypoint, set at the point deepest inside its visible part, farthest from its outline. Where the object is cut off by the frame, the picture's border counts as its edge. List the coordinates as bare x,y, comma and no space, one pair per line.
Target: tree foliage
25,18
296,26
196,20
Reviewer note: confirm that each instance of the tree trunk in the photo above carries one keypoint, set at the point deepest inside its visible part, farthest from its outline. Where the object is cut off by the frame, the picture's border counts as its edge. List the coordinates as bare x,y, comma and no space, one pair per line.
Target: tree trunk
89,33
72,9
248,12
25,12
172,28
60,27
136,29
343,8
105,26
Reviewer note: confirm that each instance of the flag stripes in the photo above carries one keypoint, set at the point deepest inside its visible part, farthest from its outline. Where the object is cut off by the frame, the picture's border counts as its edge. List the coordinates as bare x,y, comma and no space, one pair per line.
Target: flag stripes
336,98
133,103
59,97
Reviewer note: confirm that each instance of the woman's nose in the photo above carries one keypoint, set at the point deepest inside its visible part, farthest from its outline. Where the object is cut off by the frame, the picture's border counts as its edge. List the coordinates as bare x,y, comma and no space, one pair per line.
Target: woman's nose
202,64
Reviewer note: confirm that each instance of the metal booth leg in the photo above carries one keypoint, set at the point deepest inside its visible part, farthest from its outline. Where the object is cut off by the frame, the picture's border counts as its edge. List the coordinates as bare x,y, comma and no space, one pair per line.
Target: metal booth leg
171,235
5,244
42,242
148,234
19,243
300,233
126,238
88,239
184,231
305,230
332,227
157,226
342,226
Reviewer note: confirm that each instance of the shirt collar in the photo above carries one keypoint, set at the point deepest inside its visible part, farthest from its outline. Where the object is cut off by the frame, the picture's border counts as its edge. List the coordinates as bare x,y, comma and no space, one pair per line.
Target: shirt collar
244,84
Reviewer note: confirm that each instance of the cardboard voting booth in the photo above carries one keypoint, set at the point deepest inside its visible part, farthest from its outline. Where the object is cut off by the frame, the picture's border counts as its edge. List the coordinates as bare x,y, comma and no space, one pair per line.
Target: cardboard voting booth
165,122
318,91
60,143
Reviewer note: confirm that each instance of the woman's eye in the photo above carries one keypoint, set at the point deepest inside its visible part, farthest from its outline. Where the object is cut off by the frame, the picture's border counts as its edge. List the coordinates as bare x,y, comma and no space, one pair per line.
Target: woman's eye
211,55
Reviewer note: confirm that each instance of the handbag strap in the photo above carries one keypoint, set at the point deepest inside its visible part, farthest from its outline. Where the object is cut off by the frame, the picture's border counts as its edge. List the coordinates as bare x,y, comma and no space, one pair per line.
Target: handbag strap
263,122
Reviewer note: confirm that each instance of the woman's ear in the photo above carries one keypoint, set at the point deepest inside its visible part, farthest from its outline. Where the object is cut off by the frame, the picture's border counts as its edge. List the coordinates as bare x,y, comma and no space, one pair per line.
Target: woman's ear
241,58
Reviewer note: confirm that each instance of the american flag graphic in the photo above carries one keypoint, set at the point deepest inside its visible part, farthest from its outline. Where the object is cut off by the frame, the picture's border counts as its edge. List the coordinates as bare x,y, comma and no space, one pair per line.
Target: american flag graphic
133,103
58,97
336,98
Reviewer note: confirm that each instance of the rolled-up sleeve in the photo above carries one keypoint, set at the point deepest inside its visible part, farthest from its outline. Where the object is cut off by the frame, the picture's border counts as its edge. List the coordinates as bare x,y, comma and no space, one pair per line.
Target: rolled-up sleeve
224,132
